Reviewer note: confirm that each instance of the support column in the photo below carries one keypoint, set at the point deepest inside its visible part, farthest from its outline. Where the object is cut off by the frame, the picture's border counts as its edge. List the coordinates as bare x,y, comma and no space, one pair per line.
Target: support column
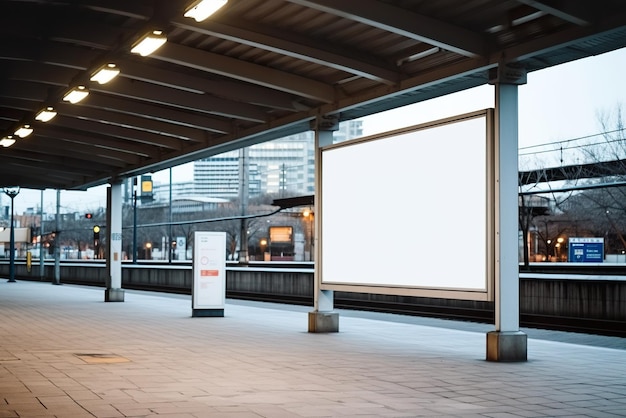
114,291
42,270
57,241
244,191
322,318
507,342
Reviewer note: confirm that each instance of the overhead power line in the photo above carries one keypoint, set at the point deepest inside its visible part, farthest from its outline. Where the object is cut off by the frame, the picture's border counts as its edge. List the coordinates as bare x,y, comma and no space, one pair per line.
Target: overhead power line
569,141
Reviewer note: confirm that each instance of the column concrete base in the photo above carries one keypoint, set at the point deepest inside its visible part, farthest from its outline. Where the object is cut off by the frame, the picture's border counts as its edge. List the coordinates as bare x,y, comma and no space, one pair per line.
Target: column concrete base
507,346
323,322
114,295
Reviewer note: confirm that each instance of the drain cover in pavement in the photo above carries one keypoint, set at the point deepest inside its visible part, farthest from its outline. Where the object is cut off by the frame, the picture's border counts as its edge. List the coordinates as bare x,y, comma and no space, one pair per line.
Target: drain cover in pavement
102,358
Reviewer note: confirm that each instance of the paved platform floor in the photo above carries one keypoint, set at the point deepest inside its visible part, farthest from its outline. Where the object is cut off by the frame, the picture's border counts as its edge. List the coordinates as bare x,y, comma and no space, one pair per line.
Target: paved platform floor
64,352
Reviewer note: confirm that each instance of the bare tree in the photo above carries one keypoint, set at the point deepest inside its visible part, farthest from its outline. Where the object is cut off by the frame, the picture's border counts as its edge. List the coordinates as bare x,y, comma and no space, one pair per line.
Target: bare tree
590,200
607,206
74,231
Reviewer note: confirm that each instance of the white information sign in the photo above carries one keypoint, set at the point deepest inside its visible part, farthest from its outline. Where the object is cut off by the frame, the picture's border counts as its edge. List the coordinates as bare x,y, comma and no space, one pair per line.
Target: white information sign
209,274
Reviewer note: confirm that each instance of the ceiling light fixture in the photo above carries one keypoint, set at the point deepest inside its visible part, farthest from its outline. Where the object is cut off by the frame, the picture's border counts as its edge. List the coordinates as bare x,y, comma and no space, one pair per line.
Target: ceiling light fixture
105,73
45,115
7,141
149,43
77,94
24,131
204,8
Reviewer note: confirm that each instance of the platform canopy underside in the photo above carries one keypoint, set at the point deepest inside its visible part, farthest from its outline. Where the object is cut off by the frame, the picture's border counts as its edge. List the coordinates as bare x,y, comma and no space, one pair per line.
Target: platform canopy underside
255,71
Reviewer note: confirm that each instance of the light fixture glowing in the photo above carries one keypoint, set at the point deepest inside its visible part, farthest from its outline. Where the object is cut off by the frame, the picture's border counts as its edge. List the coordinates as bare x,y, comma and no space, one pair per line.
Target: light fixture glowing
45,115
105,74
204,8
24,131
7,141
149,43
77,94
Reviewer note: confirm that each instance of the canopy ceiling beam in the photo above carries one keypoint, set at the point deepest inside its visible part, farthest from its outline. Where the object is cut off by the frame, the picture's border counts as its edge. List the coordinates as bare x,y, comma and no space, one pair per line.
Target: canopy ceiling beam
403,22
294,45
123,120
96,140
245,71
176,116
570,11
128,134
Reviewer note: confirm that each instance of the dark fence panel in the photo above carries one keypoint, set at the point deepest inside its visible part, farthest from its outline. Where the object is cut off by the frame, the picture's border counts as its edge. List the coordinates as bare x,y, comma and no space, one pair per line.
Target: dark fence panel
579,303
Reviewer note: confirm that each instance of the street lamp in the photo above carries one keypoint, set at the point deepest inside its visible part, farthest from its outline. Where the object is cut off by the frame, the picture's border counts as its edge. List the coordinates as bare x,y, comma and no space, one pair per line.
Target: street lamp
135,220
12,192
559,242
148,250
263,245
308,215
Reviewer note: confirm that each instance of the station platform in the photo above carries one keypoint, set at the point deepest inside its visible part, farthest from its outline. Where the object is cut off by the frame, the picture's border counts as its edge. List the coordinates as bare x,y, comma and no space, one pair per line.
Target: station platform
64,352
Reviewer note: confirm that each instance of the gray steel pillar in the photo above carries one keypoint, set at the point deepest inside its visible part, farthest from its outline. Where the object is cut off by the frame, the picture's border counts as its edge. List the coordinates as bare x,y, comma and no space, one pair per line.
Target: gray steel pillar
114,291
507,342
42,271
57,241
244,192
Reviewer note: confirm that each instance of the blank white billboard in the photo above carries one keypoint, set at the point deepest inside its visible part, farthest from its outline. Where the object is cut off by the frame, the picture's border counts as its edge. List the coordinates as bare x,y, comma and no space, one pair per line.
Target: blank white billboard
407,212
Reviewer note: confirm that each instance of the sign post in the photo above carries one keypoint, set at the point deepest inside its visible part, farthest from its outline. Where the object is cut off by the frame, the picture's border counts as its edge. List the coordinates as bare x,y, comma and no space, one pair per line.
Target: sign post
208,295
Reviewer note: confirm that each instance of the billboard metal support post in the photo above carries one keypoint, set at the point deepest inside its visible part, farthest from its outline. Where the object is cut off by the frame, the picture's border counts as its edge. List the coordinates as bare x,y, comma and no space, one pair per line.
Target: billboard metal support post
322,318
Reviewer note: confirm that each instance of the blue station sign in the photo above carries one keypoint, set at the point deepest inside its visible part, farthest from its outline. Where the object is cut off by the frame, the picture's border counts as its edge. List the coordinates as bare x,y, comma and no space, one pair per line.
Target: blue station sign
586,250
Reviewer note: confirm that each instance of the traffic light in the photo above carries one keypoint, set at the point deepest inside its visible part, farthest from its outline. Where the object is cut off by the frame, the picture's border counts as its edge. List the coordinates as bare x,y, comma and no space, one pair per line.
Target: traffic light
88,215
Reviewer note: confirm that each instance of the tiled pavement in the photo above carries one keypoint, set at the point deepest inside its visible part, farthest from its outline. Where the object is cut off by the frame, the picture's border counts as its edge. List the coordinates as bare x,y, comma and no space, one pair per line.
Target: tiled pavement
64,352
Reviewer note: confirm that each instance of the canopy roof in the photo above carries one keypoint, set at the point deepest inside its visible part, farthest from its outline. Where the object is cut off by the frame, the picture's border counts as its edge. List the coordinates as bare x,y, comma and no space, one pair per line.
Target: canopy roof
255,71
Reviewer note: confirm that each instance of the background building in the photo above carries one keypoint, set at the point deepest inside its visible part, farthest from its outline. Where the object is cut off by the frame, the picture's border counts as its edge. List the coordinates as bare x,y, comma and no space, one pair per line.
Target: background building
285,166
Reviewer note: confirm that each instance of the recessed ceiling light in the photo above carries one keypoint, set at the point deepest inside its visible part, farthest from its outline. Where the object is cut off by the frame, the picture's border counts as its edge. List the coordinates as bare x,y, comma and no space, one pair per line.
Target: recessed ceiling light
204,8
7,141
24,131
149,43
77,94
45,115
105,73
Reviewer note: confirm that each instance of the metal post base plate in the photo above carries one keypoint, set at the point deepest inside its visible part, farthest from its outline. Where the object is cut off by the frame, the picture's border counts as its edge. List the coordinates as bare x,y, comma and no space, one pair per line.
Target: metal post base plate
197,313
114,295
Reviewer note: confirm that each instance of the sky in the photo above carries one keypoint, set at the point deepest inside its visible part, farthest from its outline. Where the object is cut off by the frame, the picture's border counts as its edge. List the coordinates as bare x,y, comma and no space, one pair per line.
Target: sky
557,104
